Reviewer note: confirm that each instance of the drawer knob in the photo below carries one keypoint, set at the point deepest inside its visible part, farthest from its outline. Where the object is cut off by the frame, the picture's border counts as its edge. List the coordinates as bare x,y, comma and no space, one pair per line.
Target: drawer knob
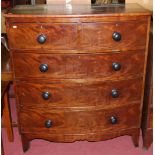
113,120
116,66
48,123
41,39
46,95
114,93
43,67
116,36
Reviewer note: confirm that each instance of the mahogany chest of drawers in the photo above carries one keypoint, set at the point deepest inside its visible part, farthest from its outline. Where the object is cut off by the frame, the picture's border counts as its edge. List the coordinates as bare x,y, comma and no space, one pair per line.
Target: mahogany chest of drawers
79,72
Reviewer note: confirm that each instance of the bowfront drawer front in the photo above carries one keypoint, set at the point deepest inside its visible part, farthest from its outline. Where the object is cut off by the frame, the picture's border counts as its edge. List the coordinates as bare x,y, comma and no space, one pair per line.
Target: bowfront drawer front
50,36
94,36
71,94
75,66
118,35
79,121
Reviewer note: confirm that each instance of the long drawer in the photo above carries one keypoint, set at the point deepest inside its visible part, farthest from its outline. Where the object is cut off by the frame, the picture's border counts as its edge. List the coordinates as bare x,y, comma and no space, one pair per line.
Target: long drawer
99,35
66,93
123,64
45,120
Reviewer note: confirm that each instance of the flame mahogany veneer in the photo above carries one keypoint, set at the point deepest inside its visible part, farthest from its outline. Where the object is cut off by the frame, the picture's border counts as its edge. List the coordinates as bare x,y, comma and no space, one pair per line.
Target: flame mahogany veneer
79,73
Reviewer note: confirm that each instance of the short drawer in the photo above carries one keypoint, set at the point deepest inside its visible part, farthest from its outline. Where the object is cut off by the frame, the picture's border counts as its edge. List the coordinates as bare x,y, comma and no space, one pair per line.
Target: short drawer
114,35
43,120
48,36
75,66
70,94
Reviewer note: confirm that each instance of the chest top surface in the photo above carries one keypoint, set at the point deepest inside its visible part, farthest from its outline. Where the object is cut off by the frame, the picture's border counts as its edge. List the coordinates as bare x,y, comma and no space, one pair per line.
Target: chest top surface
76,10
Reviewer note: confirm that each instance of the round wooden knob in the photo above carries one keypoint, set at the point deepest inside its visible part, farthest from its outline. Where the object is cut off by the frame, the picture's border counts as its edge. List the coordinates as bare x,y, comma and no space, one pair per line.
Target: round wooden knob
41,39
43,67
113,120
46,95
116,36
48,123
116,66
114,93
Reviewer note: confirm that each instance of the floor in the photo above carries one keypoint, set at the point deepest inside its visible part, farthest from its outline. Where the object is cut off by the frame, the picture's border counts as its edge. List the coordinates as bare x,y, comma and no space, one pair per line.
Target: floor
118,146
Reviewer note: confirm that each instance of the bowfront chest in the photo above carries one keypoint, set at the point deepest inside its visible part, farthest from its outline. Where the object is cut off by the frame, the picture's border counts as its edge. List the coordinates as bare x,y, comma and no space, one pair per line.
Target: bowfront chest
79,72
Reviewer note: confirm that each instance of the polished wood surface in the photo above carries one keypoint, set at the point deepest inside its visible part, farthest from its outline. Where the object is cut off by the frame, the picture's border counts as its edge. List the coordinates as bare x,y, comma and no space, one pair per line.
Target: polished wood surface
59,36
79,94
73,60
78,121
77,10
4,87
7,117
93,137
147,119
6,70
97,36
74,66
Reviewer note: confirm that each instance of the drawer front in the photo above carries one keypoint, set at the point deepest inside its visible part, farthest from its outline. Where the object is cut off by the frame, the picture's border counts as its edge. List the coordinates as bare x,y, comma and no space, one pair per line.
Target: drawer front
78,65
93,36
118,35
50,36
78,121
71,94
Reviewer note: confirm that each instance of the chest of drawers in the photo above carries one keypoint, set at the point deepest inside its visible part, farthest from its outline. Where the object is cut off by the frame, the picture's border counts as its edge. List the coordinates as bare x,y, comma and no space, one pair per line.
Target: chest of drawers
79,73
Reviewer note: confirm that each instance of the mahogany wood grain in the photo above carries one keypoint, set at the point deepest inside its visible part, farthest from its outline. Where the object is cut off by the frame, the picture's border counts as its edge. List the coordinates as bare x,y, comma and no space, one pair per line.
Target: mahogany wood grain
147,117
78,65
7,117
4,87
14,124
79,51
25,143
70,94
91,137
150,123
56,11
59,35
99,35
75,19
6,67
148,138
79,35
67,121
